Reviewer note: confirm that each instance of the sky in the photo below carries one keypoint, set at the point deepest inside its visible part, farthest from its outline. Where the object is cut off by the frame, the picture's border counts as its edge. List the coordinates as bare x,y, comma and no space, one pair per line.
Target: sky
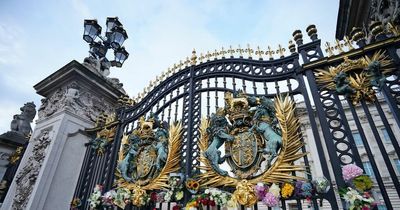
39,37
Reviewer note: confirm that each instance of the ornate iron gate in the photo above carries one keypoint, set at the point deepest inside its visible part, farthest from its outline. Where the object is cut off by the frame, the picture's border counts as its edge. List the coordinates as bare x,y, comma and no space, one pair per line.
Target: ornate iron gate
196,88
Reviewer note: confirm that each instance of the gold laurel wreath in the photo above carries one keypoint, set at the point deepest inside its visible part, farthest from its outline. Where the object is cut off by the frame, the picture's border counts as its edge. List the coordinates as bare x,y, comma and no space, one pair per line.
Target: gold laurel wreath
281,170
326,77
171,164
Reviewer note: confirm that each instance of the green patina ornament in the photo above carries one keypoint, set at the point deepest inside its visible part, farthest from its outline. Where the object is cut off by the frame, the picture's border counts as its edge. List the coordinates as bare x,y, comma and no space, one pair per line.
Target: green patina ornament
342,84
377,79
218,135
266,124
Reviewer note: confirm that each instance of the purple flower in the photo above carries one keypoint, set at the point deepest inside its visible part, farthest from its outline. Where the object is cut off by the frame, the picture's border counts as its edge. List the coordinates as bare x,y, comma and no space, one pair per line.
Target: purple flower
261,190
297,189
270,200
351,171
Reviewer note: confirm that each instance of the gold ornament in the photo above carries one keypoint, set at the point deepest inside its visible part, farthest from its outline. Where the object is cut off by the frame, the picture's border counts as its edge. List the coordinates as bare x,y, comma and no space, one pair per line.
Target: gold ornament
245,194
138,196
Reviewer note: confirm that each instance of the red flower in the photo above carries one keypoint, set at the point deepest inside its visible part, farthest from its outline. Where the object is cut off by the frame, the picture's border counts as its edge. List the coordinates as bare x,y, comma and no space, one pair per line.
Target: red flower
176,207
204,201
212,203
153,196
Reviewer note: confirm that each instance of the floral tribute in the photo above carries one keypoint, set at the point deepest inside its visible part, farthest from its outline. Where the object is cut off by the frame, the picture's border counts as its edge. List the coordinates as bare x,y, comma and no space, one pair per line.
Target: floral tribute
270,195
121,196
357,193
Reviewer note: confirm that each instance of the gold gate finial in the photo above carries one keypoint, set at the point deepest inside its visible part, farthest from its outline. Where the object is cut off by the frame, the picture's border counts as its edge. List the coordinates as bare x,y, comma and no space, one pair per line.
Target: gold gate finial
240,51
231,51
249,50
208,55
281,51
193,59
329,49
215,54
222,52
270,53
259,52
339,46
348,43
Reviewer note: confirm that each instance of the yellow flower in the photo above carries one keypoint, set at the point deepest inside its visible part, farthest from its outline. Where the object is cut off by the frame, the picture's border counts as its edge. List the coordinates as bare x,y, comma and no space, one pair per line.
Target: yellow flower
179,195
287,190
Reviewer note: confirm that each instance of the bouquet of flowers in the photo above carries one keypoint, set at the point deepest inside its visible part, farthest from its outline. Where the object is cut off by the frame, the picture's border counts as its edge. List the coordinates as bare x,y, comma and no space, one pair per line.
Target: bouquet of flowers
357,194
95,197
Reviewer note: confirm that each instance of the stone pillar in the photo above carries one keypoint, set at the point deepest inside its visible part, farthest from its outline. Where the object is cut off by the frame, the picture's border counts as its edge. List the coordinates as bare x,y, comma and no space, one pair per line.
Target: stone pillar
74,97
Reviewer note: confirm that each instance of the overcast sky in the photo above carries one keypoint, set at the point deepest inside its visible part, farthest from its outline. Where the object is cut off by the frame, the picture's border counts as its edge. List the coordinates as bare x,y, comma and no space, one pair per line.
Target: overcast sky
39,37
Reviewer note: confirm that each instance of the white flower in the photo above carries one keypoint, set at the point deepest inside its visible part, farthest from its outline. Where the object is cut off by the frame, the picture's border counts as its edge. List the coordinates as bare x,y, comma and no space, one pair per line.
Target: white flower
260,184
275,190
207,191
167,196
352,195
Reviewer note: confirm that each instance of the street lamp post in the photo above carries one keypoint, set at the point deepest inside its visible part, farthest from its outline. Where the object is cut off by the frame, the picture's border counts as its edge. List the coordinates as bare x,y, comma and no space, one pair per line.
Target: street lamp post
114,38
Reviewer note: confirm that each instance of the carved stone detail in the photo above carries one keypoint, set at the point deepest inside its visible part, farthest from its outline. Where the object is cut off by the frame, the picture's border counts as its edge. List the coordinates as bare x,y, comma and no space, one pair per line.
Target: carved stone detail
76,100
26,178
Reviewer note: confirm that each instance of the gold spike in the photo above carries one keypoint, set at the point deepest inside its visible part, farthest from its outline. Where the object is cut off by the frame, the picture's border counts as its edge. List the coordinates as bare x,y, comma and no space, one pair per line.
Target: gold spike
180,64
329,49
231,51
201,58
193,59
339,46
270,53
281,51
187,62
240,51
249,50
208,55
215,54
348,43
174,67
222,52
259,52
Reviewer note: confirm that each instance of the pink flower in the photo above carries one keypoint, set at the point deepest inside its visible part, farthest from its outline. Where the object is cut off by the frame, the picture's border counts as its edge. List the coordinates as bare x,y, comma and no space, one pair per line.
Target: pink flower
351,171
270,200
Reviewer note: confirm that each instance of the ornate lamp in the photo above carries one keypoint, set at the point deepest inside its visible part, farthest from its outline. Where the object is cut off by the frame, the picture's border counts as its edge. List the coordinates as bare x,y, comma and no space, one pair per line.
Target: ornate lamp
114,39
117,37
120,56
111,23
92,30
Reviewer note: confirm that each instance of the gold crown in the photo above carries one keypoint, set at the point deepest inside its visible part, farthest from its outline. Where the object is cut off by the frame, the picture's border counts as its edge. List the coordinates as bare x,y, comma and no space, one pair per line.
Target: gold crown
145,130
239,108
349,64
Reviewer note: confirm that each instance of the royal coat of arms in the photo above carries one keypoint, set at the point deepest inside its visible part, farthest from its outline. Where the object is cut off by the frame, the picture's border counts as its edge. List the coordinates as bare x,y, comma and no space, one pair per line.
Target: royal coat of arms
260,137
249,130
148,154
